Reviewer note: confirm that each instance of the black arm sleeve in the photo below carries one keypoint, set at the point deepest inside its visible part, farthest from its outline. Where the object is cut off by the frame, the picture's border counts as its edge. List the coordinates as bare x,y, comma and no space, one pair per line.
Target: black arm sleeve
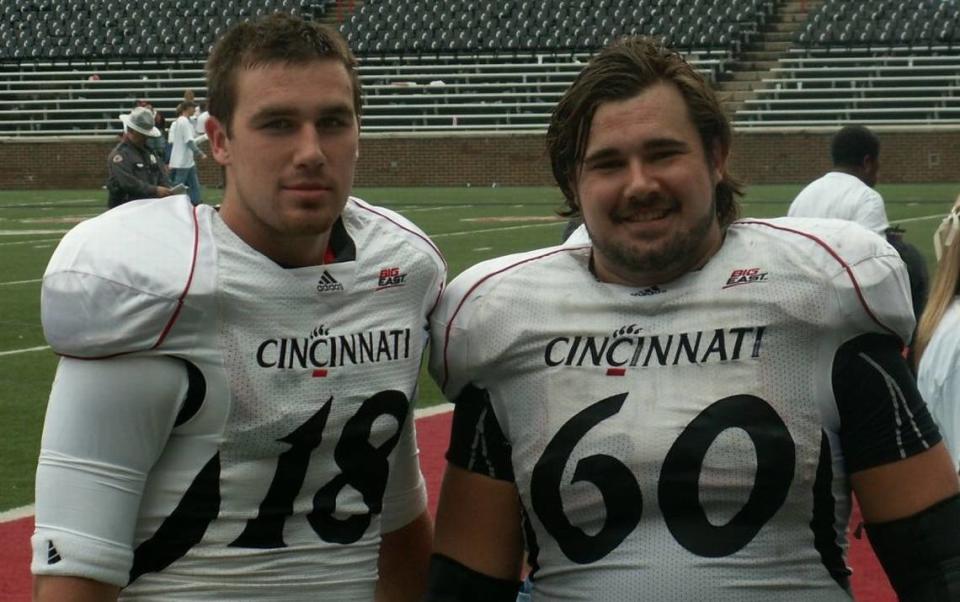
477,442
883,419
450,581
921,553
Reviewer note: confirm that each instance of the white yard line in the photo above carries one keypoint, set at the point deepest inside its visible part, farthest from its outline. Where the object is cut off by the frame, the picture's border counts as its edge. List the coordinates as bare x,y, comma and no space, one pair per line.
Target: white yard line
23,232
28,242
443,208
442,408
468,232
27,350
918,219
20,282
16,513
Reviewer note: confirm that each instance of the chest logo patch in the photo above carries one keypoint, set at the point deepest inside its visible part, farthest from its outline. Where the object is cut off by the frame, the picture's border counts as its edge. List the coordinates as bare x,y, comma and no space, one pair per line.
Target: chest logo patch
390,278
328,284
745,276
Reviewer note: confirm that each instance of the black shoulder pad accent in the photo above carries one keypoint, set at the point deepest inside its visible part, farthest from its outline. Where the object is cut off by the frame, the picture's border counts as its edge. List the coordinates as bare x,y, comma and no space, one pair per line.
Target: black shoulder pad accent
883,418
477,442
921,553
196,392
450,581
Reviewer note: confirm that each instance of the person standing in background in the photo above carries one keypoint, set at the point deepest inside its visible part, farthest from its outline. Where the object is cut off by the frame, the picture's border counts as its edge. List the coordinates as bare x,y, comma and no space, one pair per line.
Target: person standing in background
182,138
846,192
133,170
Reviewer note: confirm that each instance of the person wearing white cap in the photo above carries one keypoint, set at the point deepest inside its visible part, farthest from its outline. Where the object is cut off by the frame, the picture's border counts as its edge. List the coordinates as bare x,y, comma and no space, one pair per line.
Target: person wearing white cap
133,171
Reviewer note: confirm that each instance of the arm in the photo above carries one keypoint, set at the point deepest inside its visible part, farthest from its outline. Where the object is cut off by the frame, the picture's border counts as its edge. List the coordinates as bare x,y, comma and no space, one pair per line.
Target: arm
900,470
107,423
478,547
478,524
403,561
72,589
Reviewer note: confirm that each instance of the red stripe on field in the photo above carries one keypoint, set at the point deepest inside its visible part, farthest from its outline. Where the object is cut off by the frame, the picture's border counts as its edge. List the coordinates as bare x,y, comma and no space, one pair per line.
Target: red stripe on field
15,560
433,434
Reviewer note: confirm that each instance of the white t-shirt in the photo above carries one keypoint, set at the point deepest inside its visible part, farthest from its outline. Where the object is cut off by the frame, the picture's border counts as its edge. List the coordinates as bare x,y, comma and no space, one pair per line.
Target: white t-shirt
247,431
201,127
180,134
681,441
938,378
841,196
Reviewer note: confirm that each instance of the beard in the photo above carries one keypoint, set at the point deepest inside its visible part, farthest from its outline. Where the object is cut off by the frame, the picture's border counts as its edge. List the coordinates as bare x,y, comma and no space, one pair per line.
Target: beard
676,254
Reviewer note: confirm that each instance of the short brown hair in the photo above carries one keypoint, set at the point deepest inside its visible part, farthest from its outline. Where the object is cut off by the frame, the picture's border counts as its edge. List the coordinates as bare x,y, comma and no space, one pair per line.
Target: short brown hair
278,37
620,71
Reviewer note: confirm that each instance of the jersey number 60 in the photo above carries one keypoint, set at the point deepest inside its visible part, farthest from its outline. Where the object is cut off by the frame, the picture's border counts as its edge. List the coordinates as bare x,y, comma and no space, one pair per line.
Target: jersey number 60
678,490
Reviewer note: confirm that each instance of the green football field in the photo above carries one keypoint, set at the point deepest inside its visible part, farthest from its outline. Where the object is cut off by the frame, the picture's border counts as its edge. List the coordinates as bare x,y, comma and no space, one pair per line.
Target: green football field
468,224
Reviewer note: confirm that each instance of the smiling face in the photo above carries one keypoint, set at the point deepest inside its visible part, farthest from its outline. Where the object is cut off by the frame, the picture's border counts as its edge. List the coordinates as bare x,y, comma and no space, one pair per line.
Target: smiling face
290,157
646,189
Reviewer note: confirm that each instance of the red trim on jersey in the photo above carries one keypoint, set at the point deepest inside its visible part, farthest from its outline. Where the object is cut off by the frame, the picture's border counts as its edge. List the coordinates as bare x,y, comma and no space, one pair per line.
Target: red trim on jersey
319,373
616,371
328,255
402,227
453,316
843,264
418,235
186,288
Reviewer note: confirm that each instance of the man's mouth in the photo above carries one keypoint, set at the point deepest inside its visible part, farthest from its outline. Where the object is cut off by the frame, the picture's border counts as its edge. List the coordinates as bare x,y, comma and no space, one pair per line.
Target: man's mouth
649,214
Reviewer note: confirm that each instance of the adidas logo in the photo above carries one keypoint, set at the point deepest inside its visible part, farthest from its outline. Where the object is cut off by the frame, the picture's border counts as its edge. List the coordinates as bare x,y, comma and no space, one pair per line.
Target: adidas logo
53,556
328,284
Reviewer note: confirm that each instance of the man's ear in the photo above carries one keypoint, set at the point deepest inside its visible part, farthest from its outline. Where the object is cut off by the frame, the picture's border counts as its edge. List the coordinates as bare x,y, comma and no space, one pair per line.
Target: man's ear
719,153
219,140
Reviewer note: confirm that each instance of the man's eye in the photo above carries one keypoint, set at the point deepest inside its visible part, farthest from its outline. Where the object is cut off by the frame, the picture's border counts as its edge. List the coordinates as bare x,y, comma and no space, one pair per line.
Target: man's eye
277,124
333,122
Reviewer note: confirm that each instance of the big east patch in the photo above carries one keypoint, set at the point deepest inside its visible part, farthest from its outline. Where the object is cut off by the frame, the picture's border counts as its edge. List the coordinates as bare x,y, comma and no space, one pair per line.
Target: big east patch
391,277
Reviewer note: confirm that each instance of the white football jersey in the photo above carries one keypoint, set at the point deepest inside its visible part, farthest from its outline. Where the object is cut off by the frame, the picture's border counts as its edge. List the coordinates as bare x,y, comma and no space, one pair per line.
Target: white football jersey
292,447
681,441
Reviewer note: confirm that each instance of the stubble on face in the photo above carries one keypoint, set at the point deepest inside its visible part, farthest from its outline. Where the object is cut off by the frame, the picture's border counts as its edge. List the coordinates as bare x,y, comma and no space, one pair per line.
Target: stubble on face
676,253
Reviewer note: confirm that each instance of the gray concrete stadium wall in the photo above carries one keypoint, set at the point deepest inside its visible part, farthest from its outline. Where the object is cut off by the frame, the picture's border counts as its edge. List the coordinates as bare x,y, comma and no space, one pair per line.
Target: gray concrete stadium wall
512,160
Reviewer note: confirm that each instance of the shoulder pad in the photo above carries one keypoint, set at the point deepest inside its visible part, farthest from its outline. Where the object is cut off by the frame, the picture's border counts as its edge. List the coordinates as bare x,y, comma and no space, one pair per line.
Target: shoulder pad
382,220
865,272
116,282
472,304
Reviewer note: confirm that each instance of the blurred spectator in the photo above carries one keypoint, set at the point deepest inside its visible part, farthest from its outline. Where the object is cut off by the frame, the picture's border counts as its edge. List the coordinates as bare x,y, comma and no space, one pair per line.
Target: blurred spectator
201,125
183,167
134,172
846,192
938,336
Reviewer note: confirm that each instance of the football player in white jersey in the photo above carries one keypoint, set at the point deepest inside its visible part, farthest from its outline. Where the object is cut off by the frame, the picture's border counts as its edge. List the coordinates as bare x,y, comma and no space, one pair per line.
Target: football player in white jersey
231,418
679,408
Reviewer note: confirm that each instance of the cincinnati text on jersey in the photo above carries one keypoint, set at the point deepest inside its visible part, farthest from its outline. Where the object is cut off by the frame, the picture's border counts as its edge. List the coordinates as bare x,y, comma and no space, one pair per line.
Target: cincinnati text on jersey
331,351
619,351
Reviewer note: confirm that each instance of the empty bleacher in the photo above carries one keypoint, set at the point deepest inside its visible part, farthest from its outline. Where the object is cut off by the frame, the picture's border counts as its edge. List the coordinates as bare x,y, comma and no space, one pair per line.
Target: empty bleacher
887,62
523,54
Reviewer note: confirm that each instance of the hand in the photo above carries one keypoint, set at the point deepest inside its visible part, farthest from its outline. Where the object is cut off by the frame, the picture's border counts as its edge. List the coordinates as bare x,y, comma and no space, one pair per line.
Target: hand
162,191
203,155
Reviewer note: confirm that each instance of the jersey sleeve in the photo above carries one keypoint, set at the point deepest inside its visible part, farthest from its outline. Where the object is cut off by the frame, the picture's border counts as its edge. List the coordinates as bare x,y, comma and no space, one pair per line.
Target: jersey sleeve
406,494
107,422
116,283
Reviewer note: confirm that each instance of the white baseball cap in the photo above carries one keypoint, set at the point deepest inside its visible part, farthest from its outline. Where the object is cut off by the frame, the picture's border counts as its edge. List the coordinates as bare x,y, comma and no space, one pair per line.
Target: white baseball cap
140,120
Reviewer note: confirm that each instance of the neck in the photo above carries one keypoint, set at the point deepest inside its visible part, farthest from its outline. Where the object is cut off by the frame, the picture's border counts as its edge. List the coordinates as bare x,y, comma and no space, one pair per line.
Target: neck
287,249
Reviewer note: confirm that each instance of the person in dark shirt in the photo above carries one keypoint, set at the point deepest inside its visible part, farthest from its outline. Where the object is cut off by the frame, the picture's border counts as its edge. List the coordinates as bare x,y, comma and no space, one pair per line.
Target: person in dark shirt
134,172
